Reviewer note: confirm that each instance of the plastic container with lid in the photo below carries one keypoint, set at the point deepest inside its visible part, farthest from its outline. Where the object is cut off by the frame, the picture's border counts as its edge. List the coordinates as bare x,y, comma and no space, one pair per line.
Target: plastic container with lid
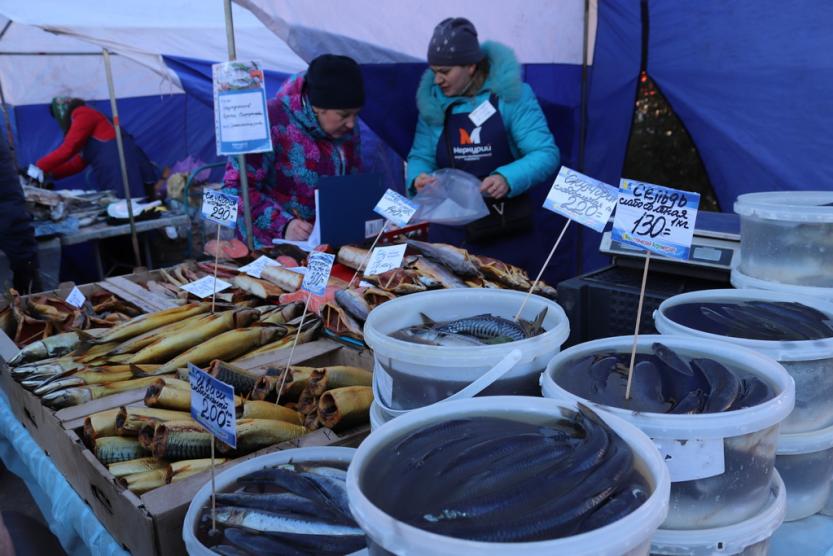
747,538
809,362
410,375
805,462
629,536
721,463
787,237
742,281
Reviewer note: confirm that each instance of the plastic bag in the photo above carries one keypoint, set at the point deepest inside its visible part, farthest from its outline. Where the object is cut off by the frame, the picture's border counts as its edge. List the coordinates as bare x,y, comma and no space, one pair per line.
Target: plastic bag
454,199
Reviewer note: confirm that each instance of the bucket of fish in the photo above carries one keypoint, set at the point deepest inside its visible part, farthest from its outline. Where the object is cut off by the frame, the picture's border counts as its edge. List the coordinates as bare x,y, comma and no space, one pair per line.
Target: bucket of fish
508,475
286,502
787,237
805,462
747,538
712,408
741,280
428,346
794,330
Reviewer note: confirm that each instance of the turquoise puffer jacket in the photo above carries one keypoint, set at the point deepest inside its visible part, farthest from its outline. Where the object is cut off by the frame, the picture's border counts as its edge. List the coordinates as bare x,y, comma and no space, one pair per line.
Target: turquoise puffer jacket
530,140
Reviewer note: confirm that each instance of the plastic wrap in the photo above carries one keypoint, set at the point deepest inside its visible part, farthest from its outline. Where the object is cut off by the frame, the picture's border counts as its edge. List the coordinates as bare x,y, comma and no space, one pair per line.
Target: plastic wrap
453,199
69,518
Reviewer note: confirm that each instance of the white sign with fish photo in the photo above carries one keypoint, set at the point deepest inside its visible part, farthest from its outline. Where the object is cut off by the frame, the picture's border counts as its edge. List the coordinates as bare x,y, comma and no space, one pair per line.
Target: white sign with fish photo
396,208
319,266
588,201
383,259
241,124
212,405
656,218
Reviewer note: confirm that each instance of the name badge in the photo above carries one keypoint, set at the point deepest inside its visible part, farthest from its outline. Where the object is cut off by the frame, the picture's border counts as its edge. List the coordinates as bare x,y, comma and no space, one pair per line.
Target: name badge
482,113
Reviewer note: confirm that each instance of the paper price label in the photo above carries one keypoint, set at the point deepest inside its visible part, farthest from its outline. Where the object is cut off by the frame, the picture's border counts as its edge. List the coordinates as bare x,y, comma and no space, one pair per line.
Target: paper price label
76,298
691,459
204,287
383,259
581,198
482,113
656,218
255,268
319,266
212,405
220,208
396,208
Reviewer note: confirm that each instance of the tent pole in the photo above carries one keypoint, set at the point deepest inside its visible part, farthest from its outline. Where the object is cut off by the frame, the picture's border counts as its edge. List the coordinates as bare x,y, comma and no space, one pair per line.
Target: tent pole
9,132
125,181
583,121
241,158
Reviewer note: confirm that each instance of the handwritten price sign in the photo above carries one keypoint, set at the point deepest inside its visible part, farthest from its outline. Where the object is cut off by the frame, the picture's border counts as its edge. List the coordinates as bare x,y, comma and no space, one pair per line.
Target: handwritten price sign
581,198
385,258
220,208
319,266
212,405
656,218
396,208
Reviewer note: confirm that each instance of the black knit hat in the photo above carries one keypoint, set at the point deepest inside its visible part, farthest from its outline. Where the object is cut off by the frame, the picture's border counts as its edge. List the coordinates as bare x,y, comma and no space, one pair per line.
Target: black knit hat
454,43
335,82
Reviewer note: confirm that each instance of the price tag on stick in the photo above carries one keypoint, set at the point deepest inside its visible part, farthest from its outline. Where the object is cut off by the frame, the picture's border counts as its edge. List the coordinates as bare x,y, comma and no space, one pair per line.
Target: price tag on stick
396,208
255,268
212,406
588,201
319,266
656,218
383,259
578,197
660,220
220,208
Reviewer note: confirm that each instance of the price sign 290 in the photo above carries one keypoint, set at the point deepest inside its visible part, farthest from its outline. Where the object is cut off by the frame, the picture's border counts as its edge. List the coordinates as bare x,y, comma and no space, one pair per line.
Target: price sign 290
212,405
220,208
656,218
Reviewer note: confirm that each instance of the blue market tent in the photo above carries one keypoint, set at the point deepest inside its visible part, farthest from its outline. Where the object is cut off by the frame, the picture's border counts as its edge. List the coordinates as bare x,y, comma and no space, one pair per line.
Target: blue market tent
747,79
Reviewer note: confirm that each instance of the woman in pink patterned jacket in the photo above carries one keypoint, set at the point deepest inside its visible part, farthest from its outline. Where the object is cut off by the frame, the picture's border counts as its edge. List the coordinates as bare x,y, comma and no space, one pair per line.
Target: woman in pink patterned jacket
314,134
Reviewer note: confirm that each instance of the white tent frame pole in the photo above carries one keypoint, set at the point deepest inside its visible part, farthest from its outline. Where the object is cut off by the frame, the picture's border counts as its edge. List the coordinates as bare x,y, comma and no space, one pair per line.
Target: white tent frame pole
125,181
241,158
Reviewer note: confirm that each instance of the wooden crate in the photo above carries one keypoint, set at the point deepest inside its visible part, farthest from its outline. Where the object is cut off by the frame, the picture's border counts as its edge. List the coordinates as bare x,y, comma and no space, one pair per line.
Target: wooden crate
152,523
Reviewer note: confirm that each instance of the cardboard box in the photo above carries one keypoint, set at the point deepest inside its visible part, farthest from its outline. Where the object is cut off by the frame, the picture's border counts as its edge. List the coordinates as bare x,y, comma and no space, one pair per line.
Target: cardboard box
152,523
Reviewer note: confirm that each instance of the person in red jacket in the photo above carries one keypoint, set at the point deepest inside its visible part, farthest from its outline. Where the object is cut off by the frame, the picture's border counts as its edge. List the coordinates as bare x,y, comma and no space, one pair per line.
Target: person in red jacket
90,139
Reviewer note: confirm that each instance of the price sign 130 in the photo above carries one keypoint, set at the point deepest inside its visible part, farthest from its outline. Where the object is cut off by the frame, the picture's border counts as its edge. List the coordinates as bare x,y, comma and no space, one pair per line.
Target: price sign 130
656,218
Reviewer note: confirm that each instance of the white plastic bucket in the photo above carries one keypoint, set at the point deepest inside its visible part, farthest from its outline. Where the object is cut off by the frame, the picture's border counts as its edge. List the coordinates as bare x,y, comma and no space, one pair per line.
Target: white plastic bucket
721,463
787,237
747,538
741,280
805,462
410,375
630,535
377,416
809,362
229,476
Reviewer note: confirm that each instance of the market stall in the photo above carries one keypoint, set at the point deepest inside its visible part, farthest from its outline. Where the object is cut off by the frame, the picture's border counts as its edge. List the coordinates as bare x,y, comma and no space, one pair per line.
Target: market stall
352,376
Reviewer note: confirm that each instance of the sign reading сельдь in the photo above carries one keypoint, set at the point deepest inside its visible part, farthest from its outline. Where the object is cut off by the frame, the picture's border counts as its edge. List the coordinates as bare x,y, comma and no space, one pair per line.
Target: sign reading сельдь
656,218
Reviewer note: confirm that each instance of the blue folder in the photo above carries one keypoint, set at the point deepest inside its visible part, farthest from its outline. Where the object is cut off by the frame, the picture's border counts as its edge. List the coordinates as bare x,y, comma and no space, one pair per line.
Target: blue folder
346,206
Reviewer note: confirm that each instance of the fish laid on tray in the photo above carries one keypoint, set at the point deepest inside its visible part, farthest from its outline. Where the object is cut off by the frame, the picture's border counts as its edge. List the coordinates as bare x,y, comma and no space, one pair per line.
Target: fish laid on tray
292,509
471,331
754,320
501,480
663,382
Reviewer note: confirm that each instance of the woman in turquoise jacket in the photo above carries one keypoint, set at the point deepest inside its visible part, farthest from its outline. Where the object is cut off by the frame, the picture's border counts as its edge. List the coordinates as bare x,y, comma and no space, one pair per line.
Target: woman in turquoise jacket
475,114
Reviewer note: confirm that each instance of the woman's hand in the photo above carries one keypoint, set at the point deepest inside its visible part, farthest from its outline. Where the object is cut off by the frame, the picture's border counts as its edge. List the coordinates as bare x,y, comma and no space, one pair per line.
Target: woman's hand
298,230
495,186
422,180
